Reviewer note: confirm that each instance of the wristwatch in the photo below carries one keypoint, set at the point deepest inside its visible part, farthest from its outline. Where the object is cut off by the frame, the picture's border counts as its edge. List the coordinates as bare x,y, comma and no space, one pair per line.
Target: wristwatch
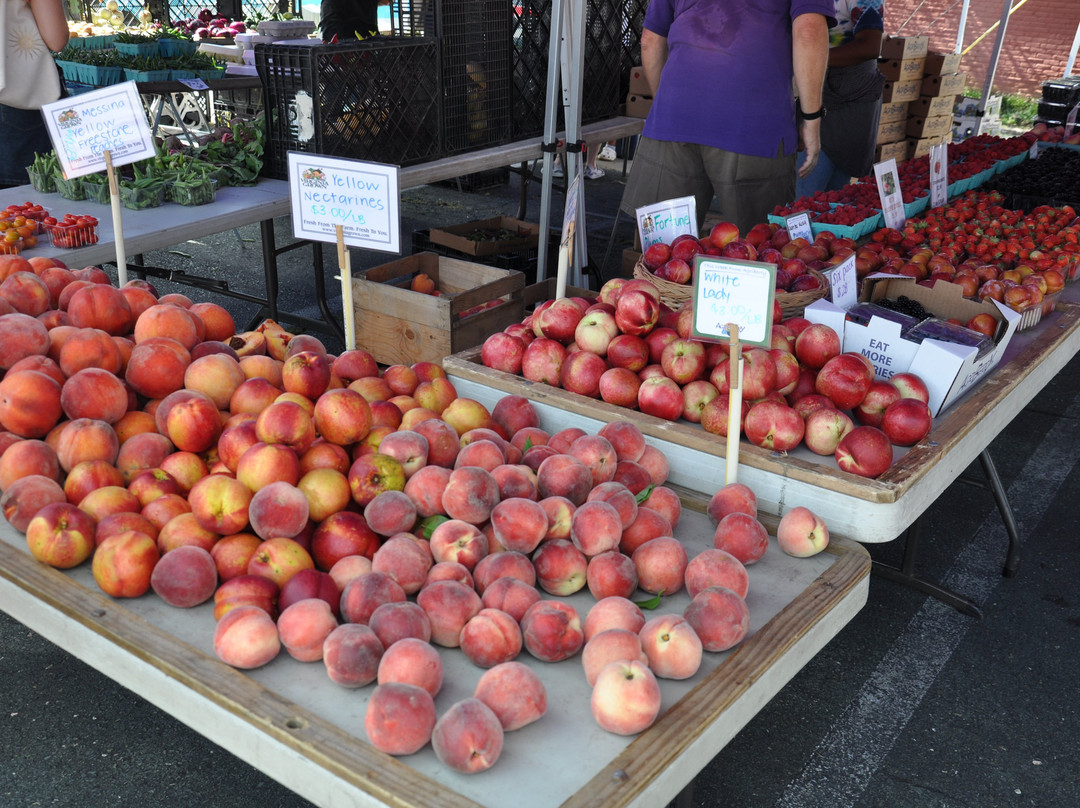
811,116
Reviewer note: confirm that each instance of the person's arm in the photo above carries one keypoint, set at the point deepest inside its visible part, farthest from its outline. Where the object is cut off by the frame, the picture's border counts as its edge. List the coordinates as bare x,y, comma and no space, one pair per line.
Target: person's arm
810,55
51,23
654,53
865,46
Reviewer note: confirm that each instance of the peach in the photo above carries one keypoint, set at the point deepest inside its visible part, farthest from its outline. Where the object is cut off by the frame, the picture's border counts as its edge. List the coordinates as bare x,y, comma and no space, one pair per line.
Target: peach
26,457
286,423
260,366
342,416
253,395
347,568
42,364
61,535
449,571
108,500
510,595
490,637
232,554
714,567
619,497
246,637
647,525
183,530
551,630
435,395
626,438
484,454
132,423
468,737
390,512
561,568
342,534
372,388
94,393
449,606
25,292
514,413
163,509
147,484
595,528
24,497
661,565
666,502
220,504
613,612
21,335
266,463
327,491
123,522
364,594
719,617
507,564
89,348
193,424
655,462
610,645
412,661
409,448
219,324
185,577
743,536
304,626
246,590
460,541
351,653
626,697
279,509
563,475
470,495
398,620
443,443
31,403
217,375
185,467
611,574
560,441
123,564
279,559
515,480
560,512
464,414
534,456
514,693
400,718
633,475
426,489
802,533
402,558
323,454
732,498
673,647
146,451
519,524
527,437
167,320
156,367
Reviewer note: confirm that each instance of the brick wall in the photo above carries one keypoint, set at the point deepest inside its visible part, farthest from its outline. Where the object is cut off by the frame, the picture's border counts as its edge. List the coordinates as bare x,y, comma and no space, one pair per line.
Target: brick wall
1036,46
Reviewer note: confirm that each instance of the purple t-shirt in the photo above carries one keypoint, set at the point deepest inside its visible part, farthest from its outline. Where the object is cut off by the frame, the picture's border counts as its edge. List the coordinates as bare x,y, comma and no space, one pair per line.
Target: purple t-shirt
728,78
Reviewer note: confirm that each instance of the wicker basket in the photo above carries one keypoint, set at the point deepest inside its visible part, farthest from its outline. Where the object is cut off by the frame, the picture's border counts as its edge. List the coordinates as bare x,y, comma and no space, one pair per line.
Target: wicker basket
675,294
672,295
793,303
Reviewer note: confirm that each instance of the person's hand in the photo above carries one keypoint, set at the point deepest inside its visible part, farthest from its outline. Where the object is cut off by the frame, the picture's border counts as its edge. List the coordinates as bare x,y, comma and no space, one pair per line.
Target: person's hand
810,137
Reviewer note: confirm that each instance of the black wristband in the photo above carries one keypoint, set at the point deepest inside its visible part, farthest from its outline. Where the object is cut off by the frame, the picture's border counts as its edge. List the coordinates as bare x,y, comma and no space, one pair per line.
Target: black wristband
810,116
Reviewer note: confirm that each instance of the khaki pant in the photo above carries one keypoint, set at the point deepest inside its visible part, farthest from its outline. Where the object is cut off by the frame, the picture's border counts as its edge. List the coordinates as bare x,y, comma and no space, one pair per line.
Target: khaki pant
747,189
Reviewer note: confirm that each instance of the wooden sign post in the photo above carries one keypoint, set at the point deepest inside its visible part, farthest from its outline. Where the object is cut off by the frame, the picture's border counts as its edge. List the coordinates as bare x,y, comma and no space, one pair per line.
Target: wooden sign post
734,426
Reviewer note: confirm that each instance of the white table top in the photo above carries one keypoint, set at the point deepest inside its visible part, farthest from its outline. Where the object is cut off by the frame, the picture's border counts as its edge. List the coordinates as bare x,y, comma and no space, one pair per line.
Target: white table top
290,721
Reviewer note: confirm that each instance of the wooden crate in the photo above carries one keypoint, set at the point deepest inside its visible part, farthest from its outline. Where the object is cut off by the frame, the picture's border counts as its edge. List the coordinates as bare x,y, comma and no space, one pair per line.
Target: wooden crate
456,236
400,326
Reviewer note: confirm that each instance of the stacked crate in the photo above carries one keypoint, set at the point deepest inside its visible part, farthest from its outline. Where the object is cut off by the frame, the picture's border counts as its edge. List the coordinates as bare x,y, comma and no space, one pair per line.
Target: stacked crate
930,119
1059,96
902,61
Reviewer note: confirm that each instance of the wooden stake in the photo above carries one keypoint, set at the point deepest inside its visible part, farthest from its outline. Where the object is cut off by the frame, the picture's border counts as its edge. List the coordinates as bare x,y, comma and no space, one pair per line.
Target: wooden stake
117,222
734,430
345,266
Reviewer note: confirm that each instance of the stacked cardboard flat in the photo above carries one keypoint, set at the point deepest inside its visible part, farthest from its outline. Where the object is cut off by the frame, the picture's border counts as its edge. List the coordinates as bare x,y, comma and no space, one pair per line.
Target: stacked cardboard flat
639,100
927,83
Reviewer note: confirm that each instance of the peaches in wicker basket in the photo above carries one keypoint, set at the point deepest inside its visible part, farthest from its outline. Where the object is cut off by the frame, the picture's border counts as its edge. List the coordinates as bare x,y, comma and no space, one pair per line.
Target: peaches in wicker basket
766,242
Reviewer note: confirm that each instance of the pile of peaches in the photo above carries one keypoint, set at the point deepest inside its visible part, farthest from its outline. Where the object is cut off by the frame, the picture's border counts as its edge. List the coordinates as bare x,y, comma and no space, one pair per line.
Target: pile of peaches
358,517
629,350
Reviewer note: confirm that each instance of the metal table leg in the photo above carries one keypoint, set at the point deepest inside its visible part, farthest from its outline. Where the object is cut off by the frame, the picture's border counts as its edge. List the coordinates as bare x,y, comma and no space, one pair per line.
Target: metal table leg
992,483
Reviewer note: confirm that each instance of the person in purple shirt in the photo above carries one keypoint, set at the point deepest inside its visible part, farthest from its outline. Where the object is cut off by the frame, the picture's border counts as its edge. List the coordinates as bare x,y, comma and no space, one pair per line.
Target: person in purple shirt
723,118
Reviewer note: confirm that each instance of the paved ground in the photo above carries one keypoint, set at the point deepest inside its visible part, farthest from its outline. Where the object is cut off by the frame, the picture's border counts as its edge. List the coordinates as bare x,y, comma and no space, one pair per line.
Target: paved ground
912,705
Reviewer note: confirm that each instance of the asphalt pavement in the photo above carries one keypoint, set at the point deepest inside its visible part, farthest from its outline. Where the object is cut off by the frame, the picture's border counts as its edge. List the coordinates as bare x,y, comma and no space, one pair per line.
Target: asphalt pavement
912,705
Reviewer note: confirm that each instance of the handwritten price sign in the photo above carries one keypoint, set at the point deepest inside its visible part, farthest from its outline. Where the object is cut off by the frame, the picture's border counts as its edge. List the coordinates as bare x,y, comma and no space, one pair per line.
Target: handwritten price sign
85,126
362,198
729,290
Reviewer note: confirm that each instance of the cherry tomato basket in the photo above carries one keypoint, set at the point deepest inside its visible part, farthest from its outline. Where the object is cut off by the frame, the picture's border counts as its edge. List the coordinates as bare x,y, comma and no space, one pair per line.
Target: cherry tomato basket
73,231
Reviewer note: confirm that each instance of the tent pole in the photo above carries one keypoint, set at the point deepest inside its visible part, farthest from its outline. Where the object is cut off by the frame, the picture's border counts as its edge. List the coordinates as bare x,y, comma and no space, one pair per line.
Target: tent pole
988,85
962,26
551,106
1072,52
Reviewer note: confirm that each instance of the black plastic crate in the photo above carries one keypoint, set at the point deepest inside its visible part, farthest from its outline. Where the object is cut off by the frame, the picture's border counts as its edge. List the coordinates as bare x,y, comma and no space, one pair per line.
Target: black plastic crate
1054,111
375,99
612,45
1062,91
246,103
475,38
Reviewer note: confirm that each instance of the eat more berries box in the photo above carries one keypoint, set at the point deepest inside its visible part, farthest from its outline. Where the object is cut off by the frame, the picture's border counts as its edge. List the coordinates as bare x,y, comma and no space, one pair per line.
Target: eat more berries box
948,369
